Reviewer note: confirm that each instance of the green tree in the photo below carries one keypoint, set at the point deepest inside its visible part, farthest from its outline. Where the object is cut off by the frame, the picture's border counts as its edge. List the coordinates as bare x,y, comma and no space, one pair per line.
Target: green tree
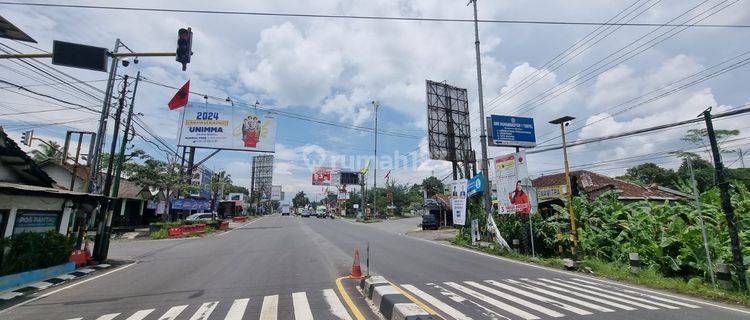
164,176
300,200
432,185
703,171
237,189
219,182
700,137
49,150
648,173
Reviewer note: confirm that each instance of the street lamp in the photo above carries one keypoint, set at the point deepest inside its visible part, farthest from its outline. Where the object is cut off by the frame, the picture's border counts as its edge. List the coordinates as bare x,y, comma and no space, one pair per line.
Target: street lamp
563,122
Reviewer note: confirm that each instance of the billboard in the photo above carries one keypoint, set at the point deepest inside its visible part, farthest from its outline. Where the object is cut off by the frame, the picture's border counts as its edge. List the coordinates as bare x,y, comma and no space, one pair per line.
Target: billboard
191,204
214,126
509,131
514,190
326,176
275,193
448,131
458,200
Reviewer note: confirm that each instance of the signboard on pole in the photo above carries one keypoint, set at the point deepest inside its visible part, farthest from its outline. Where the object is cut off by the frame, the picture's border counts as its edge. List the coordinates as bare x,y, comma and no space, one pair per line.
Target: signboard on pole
476,184
513,183
213,126
458,201
343,196
509,131
275,193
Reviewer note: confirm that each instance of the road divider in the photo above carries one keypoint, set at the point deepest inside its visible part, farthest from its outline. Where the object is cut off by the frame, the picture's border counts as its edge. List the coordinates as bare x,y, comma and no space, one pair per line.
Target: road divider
391,302
239,219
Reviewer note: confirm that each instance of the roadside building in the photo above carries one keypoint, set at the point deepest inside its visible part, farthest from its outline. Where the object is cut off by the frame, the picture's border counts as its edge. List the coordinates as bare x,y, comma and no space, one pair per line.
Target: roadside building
551,189
439,206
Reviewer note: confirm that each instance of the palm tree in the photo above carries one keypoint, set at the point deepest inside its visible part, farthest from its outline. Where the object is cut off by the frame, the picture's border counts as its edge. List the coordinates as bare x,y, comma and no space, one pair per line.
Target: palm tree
219,181
48,151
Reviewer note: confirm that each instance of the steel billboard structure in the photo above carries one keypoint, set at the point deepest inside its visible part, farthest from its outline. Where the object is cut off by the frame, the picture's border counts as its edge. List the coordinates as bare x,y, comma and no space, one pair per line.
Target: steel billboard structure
448,130
262,177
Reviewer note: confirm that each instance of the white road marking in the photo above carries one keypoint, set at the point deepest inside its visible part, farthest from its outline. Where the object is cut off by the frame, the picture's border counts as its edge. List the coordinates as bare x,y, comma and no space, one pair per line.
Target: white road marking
108,316
204,311
645,295
595,293
240,227
66,277
494,302
561,297
436,303
530,305
173,312
75,319
270,307
64,288
140,314
540,298
41,285
335,306
620,294
85,270
237,310
301,307
585,296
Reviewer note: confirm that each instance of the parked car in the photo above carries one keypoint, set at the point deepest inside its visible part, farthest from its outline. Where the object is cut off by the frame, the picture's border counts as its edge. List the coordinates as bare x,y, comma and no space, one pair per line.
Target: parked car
205,216
305,214
429,222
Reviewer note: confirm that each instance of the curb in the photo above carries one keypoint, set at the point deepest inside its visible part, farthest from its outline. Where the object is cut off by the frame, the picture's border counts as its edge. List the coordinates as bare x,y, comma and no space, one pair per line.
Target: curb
41,285
390,302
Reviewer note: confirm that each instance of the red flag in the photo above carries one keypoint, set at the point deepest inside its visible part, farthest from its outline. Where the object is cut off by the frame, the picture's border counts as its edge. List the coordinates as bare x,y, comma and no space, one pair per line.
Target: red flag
180,98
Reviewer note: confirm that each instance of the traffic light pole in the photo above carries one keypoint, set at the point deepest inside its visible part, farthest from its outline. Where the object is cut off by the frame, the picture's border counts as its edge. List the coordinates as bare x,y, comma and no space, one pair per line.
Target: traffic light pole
726,202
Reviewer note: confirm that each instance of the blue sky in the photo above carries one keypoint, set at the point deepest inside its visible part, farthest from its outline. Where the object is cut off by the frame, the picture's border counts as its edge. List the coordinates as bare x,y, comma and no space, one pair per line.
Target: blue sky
332,69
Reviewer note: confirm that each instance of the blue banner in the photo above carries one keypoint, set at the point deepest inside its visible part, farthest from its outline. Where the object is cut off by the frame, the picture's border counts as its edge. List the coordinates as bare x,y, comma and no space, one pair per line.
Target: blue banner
191,204
508,131
476,184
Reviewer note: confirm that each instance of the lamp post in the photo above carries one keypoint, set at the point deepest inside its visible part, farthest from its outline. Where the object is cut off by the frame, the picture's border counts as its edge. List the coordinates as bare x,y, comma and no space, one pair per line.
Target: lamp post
563,122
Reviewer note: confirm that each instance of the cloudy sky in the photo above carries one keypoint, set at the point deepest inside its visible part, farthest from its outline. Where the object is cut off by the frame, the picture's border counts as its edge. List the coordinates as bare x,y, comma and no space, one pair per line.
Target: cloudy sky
612,79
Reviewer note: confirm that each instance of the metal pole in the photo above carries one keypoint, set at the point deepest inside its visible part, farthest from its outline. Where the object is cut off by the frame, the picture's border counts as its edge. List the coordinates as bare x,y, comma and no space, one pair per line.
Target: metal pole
102,130
115,132
483,133
75,164
700,220
121,155
375,168
726,203
571,213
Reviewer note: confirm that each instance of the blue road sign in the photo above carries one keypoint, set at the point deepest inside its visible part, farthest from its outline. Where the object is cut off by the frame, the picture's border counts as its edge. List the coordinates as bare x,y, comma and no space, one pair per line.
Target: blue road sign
509,131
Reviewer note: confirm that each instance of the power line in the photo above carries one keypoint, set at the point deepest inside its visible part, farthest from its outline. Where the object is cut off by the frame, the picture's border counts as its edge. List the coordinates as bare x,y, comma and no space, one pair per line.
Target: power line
359,17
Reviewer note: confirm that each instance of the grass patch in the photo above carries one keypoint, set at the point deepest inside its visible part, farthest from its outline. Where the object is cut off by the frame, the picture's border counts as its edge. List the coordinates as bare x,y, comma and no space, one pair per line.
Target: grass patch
647,277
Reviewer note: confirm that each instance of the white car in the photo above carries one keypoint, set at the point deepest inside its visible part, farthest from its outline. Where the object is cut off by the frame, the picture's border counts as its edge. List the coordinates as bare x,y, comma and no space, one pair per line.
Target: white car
205,216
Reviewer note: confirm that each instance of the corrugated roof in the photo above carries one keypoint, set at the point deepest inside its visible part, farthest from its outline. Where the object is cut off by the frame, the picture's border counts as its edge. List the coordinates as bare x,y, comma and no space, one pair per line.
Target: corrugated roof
590,182
52,191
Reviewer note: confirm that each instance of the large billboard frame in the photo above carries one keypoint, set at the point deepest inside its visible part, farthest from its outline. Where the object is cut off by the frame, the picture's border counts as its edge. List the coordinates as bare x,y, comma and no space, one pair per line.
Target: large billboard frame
448,128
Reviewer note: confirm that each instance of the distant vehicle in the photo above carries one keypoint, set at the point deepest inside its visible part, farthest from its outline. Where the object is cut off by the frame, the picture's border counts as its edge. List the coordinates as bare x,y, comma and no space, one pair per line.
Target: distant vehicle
285,209
205,216
320,212
305,213
429,222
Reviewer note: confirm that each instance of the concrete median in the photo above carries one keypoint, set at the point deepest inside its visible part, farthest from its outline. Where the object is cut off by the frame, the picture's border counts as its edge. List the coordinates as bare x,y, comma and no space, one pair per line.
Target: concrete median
389,300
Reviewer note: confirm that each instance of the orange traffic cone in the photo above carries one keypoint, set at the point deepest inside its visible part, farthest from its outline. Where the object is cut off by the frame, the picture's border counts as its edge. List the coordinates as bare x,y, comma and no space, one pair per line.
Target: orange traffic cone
356,269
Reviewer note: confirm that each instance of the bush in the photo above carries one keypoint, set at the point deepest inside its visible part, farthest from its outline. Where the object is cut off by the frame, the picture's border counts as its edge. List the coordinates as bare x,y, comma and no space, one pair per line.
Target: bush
30,251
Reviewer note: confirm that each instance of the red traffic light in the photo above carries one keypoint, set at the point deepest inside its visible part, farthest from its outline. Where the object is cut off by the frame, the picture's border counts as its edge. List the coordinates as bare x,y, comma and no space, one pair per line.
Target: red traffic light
184,46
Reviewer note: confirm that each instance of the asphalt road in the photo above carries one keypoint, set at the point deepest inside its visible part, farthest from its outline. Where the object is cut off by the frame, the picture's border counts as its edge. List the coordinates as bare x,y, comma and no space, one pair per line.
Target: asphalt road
291,263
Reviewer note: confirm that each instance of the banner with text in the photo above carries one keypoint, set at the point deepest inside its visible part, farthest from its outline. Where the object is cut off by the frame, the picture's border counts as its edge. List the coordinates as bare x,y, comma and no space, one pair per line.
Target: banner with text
458,201
513,184
213,126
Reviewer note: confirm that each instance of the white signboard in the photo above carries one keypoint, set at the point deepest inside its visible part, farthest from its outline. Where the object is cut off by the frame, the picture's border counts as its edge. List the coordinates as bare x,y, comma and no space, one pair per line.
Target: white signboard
458,201
215,126
275,193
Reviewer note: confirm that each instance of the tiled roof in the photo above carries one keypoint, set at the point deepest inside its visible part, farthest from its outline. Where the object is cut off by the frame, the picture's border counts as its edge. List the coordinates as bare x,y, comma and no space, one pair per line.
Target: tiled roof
589,182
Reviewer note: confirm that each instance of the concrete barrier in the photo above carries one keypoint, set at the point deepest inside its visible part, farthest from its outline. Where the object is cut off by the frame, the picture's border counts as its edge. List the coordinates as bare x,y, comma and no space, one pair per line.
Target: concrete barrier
389,301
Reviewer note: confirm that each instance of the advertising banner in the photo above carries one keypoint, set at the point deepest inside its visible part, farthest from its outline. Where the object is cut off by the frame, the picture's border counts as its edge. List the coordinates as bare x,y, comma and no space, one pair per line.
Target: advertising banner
35,221
275,193
326,176
191,204
476,184
513,183
213,126
458,201
508,131
343,196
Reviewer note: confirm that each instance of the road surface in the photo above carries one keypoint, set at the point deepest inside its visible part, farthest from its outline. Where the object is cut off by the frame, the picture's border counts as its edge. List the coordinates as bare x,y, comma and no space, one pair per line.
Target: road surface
284,267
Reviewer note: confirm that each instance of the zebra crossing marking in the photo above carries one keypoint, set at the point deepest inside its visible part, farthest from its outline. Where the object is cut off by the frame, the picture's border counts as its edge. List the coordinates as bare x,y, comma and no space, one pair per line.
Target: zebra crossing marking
561,297
531,305
301,306
204,311
173,312
492,301
270,307
458,315
556,303
595,293
237,310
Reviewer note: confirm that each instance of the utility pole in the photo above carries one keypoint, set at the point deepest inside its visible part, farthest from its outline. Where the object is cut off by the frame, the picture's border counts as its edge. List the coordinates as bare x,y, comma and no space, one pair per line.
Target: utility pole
483,132
700,220
563,122
375,169
125,139
101,131
726,202
115,132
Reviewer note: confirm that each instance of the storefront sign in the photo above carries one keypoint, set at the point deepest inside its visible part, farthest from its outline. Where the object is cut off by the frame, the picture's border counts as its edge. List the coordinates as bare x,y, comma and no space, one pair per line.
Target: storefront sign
35,221
551,192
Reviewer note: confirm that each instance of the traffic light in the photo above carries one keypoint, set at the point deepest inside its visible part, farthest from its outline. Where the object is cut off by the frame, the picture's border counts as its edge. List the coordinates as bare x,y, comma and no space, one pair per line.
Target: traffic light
184,46
26,137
